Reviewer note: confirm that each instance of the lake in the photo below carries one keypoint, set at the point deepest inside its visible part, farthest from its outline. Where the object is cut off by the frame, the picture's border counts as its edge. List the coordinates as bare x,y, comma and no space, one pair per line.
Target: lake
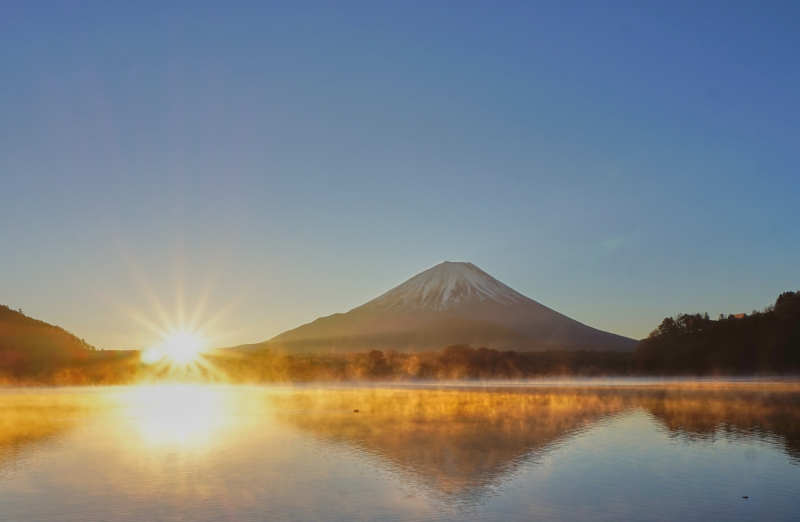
573,450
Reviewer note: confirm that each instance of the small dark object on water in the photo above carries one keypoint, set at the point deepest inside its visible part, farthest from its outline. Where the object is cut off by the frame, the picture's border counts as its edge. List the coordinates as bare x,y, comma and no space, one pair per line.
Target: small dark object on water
745,497
355,411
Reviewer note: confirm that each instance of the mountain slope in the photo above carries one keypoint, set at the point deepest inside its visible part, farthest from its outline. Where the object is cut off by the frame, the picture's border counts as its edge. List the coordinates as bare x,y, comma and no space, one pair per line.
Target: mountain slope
450,303
29,345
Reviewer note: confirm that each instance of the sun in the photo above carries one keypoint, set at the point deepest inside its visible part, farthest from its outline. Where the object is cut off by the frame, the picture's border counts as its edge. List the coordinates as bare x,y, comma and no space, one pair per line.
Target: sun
180,347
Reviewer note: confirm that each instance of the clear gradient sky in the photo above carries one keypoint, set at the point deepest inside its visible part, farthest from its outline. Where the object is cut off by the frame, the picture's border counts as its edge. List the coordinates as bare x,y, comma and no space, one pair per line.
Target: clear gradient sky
617,164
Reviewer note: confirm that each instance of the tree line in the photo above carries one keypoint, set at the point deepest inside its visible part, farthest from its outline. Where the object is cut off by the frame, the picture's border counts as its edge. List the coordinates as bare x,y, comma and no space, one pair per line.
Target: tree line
765,342
451,363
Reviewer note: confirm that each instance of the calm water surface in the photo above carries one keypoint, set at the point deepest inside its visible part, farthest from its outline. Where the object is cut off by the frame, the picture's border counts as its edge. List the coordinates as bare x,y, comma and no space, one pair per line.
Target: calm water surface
636,451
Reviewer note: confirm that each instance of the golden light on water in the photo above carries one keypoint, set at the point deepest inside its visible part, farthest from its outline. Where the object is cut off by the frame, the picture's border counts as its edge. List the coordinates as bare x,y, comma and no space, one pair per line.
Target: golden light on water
181,415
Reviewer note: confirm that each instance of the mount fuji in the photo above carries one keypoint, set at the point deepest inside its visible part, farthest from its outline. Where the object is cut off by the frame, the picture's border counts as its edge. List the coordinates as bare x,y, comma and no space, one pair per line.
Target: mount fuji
450,303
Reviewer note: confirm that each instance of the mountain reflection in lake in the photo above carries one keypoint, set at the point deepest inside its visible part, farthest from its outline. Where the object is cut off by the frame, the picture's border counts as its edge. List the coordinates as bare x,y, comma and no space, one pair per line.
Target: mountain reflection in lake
643,452
453,440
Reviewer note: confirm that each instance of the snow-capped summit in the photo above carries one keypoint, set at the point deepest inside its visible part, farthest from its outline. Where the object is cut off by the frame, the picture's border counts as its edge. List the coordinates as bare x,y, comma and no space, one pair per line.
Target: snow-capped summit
450,303
446,286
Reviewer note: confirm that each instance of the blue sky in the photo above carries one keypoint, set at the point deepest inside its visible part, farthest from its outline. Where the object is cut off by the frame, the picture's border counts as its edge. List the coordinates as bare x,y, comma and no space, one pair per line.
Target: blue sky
617,164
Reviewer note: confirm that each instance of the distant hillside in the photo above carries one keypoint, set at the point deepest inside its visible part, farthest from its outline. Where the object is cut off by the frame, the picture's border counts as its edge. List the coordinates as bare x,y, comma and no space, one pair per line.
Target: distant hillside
29,346
763,342
448,304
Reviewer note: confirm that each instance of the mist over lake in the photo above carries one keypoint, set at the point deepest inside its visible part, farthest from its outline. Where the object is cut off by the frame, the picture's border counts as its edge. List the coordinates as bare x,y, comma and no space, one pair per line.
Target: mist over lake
588,450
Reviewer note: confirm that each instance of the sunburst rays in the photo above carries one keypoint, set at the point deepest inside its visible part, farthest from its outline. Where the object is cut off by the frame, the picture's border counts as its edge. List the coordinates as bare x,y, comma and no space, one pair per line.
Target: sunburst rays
181,336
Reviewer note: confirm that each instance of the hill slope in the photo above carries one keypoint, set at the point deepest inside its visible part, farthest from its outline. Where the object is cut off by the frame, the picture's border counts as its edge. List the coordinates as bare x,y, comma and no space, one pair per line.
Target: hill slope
28,345
451,303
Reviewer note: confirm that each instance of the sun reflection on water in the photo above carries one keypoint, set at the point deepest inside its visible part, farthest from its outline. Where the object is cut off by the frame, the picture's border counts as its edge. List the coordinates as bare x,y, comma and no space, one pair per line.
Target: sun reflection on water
185,416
